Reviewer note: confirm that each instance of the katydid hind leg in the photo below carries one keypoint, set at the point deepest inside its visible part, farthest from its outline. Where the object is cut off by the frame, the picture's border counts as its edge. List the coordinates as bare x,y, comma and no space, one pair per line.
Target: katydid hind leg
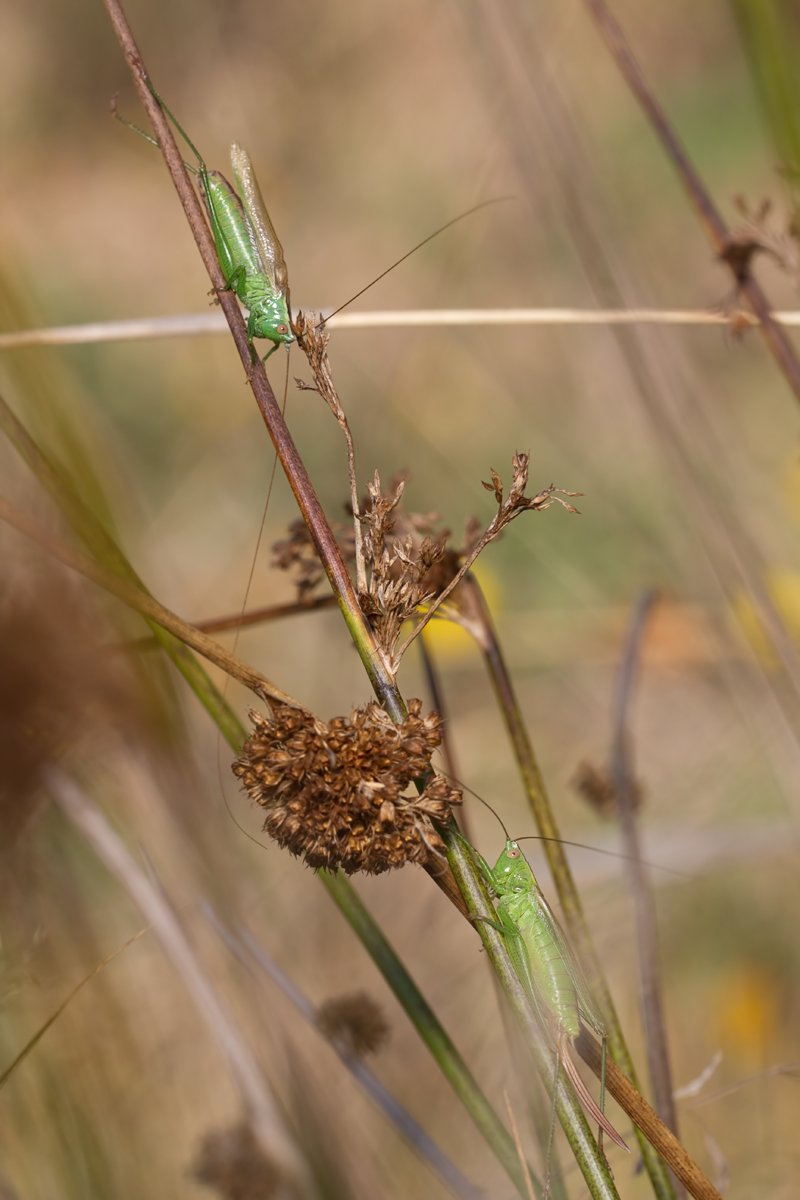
147,137
176,123
237,277
582,1092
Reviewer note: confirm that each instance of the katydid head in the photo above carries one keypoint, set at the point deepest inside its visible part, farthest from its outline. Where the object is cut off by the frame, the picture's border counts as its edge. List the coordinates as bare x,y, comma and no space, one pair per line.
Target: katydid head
511,870
270,319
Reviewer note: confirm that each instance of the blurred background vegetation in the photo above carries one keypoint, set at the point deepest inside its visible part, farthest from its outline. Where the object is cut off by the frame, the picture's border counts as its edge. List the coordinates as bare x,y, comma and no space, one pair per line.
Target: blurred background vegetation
369,124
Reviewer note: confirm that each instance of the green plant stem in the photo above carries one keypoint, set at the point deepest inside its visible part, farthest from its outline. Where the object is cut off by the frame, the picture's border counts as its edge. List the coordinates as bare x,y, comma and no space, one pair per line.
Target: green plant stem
426,1023
768,44
484,632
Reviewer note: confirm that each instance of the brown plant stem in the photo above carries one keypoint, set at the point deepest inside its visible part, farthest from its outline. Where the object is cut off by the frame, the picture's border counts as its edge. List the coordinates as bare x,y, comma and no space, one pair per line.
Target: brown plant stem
237,621
641,891
291,462
717,231
143,603
322,535
271,612
645,1119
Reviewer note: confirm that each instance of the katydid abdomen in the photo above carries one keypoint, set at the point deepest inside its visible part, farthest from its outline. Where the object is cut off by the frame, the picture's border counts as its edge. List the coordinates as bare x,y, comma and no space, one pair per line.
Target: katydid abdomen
549,975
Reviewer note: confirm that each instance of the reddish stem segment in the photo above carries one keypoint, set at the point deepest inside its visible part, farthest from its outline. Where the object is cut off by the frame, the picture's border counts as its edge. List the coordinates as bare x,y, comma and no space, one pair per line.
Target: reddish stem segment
718,233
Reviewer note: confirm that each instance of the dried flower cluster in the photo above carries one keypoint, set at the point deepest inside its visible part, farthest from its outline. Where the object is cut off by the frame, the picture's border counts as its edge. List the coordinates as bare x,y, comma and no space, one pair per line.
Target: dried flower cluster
755,235
407,563
312,338
596,787
401,565
398,569
232,1162
355,1023
396,537
298,554
333,790
517,501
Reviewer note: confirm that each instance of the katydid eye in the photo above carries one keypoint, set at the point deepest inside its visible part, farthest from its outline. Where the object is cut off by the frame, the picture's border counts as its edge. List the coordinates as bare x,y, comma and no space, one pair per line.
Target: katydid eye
282,329
513,854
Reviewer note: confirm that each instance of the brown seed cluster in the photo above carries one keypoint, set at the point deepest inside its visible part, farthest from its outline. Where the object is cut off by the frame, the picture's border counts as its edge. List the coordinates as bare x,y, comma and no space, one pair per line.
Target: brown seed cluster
333,790
354,1022
597,788
232,1162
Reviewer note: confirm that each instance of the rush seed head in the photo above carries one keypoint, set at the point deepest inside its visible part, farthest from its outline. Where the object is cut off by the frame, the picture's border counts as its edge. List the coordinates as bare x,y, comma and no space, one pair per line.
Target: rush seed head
334,791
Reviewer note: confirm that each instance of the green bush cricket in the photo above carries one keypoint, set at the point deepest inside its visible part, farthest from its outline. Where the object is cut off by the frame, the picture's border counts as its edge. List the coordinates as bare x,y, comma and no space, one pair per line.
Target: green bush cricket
250,255
547,969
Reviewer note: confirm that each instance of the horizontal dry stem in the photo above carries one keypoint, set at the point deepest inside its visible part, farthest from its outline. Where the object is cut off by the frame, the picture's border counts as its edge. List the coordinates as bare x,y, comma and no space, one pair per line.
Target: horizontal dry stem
203,324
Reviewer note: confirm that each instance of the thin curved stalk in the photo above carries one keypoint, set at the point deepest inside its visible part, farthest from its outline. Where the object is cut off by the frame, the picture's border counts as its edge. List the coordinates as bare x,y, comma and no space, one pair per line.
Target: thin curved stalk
641,890
267,1119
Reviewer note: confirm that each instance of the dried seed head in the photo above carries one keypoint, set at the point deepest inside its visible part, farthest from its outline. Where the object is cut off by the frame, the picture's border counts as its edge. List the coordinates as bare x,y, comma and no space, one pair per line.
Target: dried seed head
596,787
232,1162
354,1022
334,791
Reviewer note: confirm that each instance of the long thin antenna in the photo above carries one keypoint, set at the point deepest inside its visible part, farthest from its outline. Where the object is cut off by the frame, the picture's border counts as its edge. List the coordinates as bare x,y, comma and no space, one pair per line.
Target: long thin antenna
419,245
485,803
535,837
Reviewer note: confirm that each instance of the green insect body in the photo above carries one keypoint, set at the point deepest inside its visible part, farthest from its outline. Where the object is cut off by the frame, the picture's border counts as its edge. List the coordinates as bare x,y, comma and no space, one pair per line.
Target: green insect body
546,967
248,249
249,253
